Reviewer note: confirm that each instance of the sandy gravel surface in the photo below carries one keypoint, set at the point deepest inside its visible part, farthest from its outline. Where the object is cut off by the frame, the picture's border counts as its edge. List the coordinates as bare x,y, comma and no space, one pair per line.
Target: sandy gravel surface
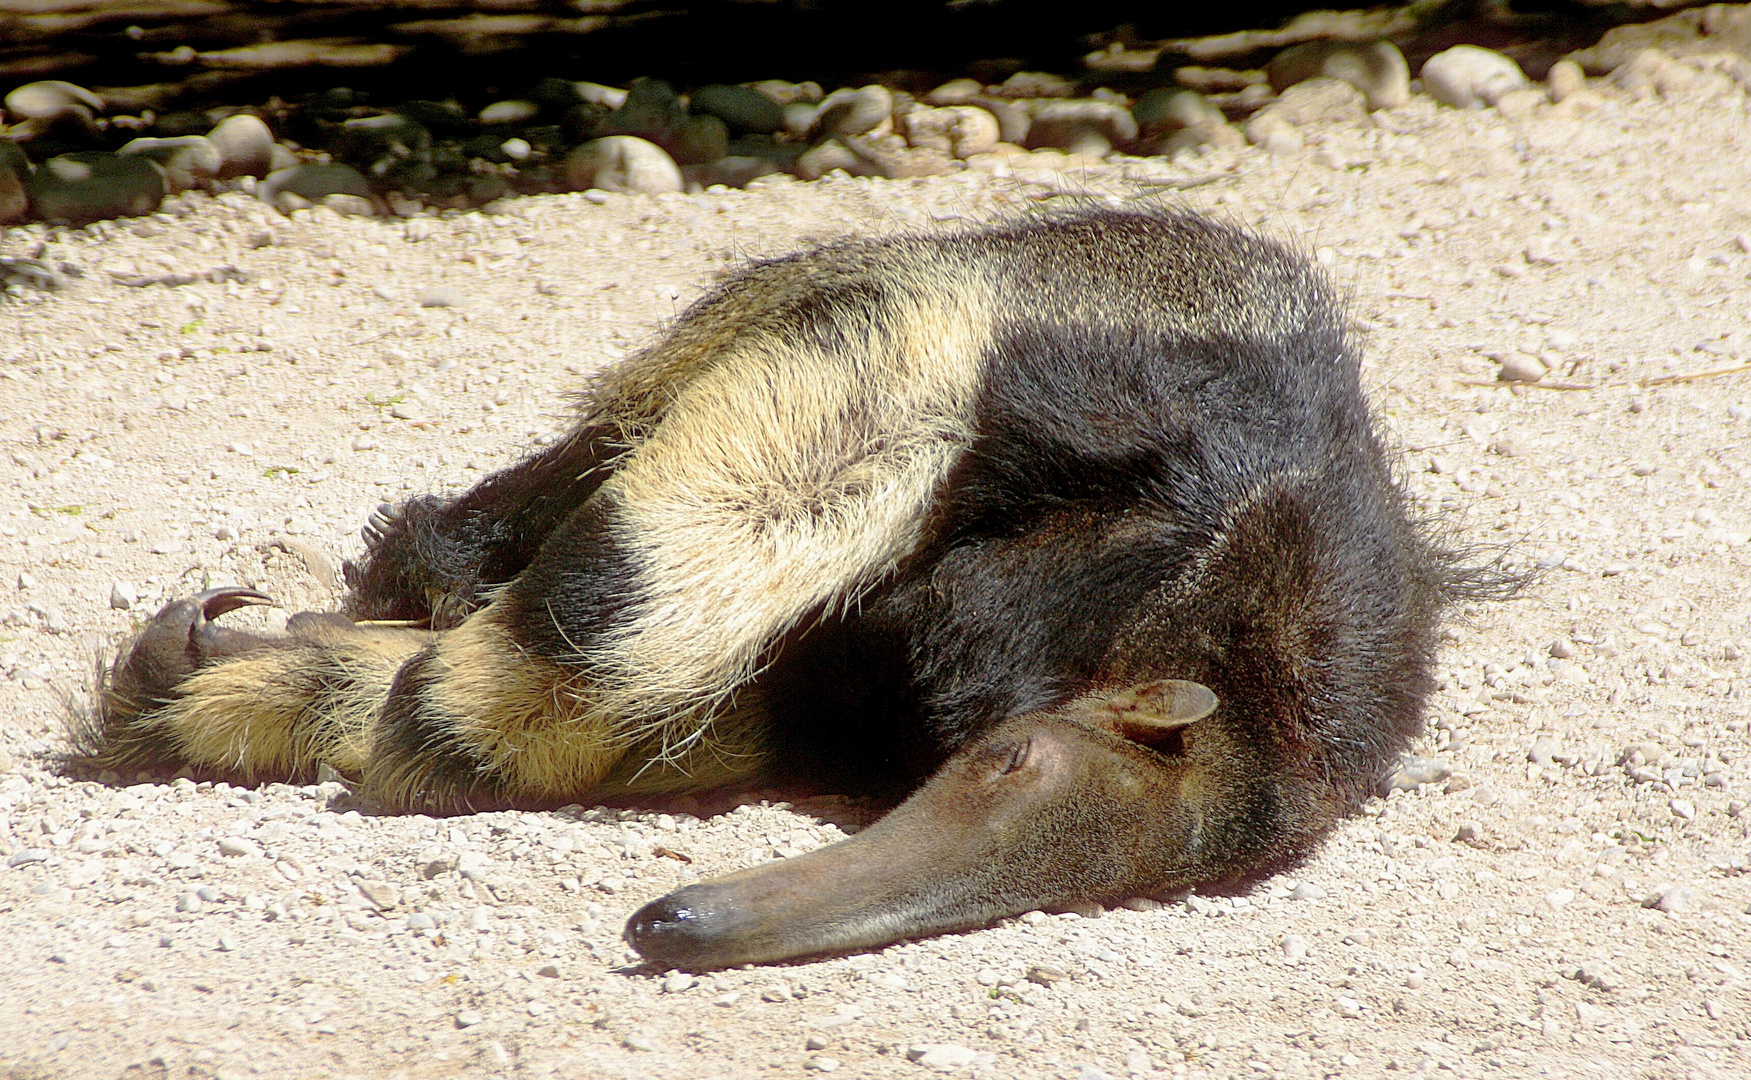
1566,895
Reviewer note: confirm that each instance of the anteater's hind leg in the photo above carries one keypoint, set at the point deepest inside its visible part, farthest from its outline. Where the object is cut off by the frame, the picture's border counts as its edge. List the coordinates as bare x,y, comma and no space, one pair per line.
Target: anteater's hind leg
786,479
431,558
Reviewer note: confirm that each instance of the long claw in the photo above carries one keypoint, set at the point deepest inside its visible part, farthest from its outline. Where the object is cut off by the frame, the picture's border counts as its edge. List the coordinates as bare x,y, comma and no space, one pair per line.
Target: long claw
381,521
216,602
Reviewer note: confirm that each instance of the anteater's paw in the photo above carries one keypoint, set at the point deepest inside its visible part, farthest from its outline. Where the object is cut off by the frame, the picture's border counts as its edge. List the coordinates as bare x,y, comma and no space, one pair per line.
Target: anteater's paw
181,638
412,570
117,730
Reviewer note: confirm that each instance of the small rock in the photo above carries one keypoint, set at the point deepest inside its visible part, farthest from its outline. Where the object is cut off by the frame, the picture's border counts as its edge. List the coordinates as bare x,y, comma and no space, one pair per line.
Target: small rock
382,894
1683,808
957,130
467,1018
1272,132
1046,974
89,186
26,856
1350,1007
744,109
1521,368
678,983
1543,750
1470,77
237,846
546,971
188,903
441,296
1307,890
641,1040
1035,84
1294,947
1413,772
245,146
14,183
1375,68
1469,832
1320,102
516,149
955,92
1170,119
851,111
827,156
822,1063
622,163
51,99
313,182
1081,127
941,1055
515,111
187,160
350,205
611,97
1566,78
364,442
1670,899
227,943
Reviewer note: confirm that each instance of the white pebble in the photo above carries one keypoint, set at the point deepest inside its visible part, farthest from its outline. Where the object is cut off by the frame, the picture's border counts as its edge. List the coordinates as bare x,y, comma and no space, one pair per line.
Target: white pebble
1307,890
123,596
1294,947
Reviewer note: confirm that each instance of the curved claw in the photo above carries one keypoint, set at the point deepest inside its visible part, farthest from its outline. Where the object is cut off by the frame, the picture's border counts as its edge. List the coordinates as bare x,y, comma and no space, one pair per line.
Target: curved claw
381,520
182,637
216,602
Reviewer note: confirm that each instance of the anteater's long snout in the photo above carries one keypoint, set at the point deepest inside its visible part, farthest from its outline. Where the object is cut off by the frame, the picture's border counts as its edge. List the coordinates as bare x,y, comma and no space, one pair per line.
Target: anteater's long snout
1044,812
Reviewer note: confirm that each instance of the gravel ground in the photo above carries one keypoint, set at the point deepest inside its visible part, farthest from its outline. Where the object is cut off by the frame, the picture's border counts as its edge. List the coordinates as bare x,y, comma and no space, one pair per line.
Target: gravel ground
1559,887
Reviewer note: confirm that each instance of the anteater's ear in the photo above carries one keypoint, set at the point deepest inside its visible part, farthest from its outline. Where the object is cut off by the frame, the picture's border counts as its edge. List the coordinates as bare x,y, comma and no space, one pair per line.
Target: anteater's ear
1153,713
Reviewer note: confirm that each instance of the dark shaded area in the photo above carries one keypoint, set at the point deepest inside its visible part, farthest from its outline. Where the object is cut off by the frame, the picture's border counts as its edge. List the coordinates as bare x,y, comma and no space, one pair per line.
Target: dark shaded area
479,51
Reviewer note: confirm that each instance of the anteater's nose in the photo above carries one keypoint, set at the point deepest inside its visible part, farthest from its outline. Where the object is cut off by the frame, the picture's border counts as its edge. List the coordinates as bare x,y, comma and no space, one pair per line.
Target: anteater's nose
680,930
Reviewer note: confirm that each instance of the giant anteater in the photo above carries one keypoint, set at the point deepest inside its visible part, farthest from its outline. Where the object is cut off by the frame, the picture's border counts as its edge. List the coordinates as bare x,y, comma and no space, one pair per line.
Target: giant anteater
1077,528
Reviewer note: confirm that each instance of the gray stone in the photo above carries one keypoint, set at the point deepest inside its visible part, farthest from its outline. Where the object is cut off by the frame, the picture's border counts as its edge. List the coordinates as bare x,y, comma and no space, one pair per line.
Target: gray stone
1375,68
697,140
1470,77
314,182
1035,84
92,185
26,856
621,163
350,205
1320,100
238,847
515,111
51,99
1081,127
392,147
14,183
442,296
1270,131
955,92
1566,79
188,903
245,146
1170,119
744,109
734,171
957,130
828,155
851,111
1521,368
1307,890
650,111
188,160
